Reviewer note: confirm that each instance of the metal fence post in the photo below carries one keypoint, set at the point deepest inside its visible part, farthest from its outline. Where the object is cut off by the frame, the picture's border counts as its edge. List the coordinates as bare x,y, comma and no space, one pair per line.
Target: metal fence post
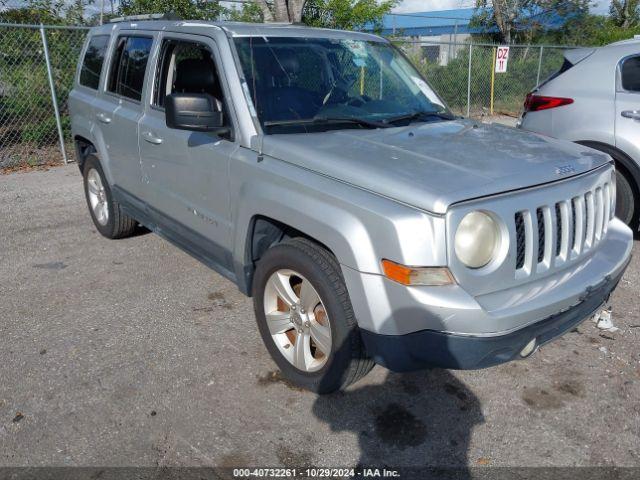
54,98
469,82
539,65
493,80
455,33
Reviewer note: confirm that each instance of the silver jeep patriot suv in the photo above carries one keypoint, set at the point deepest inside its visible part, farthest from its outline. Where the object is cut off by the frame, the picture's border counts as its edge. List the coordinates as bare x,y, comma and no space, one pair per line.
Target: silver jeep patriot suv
319,172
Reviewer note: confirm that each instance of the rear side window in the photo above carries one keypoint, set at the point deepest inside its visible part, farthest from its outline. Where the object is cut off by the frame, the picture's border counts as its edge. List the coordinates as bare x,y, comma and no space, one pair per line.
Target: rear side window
630,74
129,65
93,60
566,65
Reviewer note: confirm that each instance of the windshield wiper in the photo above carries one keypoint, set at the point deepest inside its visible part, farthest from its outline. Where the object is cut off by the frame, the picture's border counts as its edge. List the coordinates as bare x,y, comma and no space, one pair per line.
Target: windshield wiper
443,115
360,121
323,120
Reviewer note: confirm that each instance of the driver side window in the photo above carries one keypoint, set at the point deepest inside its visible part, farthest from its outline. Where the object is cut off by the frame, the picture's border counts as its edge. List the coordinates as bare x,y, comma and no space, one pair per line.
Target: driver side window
186,67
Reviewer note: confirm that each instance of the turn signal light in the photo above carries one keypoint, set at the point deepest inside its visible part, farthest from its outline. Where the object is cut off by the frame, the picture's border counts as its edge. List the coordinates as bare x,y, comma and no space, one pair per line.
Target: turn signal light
535,103
433,276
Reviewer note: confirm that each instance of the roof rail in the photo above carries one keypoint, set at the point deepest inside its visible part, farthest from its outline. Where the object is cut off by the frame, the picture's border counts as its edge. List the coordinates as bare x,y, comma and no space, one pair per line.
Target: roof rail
146,16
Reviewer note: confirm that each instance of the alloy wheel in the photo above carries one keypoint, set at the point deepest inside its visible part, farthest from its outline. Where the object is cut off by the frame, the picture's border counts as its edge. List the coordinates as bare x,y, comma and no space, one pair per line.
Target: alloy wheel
97,197
297,320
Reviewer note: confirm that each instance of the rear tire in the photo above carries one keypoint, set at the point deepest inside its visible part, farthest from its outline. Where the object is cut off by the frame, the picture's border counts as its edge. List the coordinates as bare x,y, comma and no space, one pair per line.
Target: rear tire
106,213
288,266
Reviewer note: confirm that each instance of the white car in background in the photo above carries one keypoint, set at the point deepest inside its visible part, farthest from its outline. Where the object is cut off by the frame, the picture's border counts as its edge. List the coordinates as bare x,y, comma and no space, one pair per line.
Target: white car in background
594,99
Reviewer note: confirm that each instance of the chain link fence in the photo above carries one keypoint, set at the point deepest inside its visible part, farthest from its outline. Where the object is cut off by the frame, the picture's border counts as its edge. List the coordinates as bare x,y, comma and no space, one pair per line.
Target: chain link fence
31,134
466,78
37,65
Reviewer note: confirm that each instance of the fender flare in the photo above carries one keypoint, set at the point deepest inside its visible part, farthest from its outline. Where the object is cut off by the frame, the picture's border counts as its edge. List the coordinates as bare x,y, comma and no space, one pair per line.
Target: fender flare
342,242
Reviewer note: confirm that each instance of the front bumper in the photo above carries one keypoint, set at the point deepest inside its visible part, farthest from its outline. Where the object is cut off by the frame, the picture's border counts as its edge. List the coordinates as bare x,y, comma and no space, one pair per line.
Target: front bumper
429,348
409,327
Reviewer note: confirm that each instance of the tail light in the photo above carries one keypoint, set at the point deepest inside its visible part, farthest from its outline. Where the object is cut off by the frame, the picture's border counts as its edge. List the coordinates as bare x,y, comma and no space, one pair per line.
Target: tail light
534,103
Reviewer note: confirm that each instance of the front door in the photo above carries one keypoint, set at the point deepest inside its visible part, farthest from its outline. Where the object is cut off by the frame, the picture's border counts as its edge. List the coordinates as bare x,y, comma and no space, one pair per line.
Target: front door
188,172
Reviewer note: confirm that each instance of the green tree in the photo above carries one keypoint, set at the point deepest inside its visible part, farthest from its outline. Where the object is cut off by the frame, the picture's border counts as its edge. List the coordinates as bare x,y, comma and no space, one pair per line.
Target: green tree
625,13
248,12
503,14
589,30
48,12
346,14
186,9
26,113
526,17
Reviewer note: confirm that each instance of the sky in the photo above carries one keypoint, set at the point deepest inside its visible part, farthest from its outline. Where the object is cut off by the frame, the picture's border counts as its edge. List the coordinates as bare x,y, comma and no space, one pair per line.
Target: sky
406,6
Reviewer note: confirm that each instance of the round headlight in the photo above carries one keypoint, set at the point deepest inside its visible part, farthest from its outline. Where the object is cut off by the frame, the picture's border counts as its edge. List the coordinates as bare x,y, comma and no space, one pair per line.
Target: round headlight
477,239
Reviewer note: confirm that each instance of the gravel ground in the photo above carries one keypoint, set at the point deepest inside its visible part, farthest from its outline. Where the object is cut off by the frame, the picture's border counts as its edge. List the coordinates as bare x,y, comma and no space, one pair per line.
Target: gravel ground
130,353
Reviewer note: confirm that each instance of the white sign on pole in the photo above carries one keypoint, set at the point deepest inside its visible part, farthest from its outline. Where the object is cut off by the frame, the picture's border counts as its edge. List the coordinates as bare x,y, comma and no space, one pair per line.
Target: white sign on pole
502,57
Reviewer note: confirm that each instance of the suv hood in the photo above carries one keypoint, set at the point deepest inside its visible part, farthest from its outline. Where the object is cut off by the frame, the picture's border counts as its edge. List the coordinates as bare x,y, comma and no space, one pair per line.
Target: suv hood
434,165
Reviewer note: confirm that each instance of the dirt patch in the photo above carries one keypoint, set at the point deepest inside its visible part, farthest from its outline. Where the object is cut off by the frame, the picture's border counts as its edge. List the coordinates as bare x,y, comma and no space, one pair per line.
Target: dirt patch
410,387
219,300
294,458
275,377
26,158
26,168
571,387
397,426
219,296
234,460
51,265
541,399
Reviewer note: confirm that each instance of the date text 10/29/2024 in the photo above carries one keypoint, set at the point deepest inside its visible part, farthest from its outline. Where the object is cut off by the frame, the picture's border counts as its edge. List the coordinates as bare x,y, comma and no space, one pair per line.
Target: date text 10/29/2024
314,473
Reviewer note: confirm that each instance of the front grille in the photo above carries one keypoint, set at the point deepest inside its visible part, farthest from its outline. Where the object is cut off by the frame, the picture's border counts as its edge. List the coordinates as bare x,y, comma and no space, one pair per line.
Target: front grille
562,230
558,228
572,242
520,238
588,222
541,231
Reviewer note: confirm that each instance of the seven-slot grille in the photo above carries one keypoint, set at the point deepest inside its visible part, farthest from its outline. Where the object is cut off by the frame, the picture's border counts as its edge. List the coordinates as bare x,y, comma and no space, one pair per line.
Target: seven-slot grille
551,234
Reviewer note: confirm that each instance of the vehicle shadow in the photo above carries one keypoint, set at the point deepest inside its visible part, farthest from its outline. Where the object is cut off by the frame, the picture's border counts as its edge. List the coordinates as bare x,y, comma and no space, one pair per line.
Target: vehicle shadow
419,419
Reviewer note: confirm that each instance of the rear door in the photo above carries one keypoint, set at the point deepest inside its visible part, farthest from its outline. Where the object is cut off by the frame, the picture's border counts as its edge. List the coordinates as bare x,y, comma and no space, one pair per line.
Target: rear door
628,106
82,97
119,108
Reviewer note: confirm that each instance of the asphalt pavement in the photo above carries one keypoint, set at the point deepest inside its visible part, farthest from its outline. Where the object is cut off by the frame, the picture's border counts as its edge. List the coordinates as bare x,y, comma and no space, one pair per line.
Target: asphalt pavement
131,353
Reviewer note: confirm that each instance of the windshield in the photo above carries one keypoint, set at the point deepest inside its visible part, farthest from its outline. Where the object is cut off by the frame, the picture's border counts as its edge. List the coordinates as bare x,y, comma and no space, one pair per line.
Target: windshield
312,84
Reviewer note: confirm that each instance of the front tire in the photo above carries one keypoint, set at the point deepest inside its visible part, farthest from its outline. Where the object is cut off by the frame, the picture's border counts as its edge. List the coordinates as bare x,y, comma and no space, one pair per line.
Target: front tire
106,213
306,319
627,201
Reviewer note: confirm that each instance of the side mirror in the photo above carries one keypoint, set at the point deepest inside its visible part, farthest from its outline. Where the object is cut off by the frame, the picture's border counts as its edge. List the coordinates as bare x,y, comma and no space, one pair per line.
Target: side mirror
196,112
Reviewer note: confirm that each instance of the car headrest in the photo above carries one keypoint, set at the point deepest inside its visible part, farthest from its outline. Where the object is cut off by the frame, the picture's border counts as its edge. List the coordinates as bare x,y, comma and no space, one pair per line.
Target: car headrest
195,76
